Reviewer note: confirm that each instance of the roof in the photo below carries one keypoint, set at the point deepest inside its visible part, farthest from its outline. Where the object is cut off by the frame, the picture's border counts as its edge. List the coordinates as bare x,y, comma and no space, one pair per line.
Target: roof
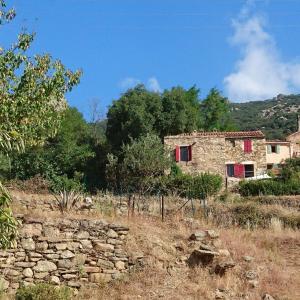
225,134
278,142
292,134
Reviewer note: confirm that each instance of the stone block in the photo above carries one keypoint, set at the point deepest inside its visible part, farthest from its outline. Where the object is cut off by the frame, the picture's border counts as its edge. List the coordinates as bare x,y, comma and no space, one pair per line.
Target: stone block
99,278
31,230
28,244
27,272
45,266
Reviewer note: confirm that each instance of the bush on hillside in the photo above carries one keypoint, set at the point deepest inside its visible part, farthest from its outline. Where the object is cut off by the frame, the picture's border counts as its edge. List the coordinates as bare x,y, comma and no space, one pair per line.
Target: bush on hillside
198,186
43,291
274,187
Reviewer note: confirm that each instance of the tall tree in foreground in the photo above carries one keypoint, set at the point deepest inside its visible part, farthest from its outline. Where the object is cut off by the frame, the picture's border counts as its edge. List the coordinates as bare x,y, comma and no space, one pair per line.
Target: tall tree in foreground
216,112
31,102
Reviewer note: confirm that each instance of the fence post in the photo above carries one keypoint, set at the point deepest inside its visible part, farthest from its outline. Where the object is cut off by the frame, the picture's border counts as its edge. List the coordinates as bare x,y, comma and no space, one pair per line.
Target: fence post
162,208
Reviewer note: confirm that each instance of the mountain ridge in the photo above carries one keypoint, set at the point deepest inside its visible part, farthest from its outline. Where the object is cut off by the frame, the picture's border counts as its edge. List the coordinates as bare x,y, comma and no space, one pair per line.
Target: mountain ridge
276,117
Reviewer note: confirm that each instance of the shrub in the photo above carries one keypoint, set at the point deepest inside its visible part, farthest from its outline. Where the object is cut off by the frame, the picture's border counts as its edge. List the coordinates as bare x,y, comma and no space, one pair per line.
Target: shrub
195,186
43,291
276,187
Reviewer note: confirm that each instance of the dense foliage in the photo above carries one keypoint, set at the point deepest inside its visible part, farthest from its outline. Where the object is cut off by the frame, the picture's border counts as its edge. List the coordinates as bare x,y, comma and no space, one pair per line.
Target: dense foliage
276,187
139,112
276,117
31,102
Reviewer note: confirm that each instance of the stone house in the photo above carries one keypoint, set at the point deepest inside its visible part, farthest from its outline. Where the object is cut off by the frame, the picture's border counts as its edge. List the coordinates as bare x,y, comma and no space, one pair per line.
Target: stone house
294,139
239,154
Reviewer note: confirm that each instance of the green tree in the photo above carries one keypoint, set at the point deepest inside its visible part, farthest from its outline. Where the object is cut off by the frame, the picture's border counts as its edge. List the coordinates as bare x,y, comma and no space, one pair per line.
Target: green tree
32,93
181,111
215,110
140,164
66,154
135,114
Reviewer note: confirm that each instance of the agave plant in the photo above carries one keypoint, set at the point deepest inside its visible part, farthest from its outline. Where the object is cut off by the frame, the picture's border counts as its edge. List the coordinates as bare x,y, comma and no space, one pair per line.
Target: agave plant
67,200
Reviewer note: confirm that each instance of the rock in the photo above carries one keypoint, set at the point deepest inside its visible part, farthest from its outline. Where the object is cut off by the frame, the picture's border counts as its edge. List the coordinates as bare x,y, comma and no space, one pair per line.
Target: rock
65,264
88,269
12,273
82,235
45,266
28,244
67,254
223,266
69,276
103,247
99,278
30,230
212,234
120,265
248,258
24,264
74,284
224,252
41,275
51,232
111,234
197,236
87,244
42,246
253,283
54,280
61,246
4,283
267,297
201,257
104,263
207,247
251,274
27,272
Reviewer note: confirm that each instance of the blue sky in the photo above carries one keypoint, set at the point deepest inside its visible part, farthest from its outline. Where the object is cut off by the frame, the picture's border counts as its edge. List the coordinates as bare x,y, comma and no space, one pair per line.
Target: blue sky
248,49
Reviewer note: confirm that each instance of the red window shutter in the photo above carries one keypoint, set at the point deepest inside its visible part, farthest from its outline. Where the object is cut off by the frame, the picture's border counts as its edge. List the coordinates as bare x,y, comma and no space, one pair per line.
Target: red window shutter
250,146
177,153
239,170
190,152
247,146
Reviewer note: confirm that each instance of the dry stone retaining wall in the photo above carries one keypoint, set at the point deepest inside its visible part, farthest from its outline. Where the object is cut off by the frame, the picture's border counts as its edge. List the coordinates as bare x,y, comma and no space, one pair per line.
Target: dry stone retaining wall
64,251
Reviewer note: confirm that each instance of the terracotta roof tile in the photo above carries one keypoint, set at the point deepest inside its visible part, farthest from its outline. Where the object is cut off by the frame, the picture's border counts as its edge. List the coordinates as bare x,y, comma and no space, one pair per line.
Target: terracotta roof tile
226,134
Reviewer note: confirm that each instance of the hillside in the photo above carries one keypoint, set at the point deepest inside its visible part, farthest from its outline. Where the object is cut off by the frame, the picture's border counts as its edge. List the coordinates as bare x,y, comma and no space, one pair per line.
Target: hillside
276,117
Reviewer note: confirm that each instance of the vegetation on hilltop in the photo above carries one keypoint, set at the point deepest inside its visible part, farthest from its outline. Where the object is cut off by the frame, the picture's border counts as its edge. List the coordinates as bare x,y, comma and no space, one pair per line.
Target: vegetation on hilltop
276,117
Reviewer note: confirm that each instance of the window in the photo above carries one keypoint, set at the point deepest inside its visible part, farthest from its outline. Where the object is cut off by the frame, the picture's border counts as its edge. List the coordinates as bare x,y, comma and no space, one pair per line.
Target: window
273,149
232,142
230,170
247,146
269,166
183,153
249,171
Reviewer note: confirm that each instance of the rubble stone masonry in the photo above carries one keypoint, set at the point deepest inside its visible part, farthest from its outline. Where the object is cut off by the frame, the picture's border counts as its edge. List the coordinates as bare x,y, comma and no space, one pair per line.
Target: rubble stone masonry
212,153
65,251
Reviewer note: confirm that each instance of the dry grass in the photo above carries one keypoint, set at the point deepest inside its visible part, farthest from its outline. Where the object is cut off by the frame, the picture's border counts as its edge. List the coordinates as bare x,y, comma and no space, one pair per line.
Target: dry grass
276,253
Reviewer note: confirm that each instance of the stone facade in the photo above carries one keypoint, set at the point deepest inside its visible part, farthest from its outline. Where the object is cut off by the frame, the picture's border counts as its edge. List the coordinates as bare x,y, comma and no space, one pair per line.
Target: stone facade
211,151
64,251
294,138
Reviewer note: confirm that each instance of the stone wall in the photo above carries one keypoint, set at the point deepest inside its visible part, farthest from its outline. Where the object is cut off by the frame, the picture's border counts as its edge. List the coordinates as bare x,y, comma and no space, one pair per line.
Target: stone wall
208,153
234,153
70,252
212,153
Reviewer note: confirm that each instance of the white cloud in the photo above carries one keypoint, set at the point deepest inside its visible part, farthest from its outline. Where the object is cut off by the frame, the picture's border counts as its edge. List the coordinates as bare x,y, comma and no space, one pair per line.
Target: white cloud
128,82
260,73
153,85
